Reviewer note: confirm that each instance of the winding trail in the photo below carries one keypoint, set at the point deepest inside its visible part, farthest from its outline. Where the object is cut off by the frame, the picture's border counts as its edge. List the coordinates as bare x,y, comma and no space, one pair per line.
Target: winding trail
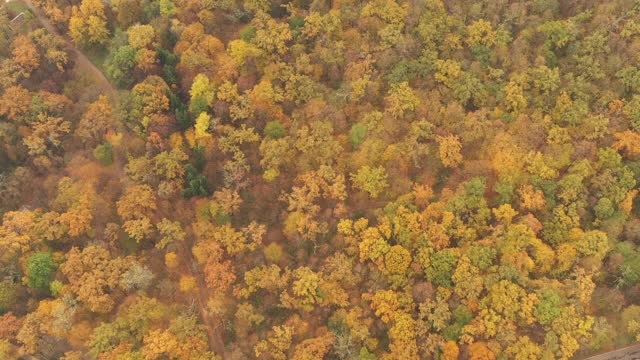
82,62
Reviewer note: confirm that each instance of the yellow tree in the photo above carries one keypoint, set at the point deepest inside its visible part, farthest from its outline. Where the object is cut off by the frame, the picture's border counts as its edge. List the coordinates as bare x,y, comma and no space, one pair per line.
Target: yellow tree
449,150
271,35
88,23
202,134
202,87
397,260
401,99
140,36
277,345
515,98
523,349
481,33
305,290
371,180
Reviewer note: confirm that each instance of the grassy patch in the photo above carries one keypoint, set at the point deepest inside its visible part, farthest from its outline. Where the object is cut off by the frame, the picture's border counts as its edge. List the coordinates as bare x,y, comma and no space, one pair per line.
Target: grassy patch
97,56
15,7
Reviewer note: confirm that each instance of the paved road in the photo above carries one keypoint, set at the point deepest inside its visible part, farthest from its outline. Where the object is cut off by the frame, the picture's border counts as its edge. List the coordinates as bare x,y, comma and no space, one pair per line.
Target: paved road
628,353
82,61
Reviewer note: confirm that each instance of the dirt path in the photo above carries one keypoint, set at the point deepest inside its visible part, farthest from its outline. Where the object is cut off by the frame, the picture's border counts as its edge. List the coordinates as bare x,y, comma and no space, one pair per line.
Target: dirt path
201,293
216,342
82,61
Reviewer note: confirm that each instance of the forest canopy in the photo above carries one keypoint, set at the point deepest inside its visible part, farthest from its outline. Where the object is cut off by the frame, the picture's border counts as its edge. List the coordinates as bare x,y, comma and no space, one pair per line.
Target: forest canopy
313,179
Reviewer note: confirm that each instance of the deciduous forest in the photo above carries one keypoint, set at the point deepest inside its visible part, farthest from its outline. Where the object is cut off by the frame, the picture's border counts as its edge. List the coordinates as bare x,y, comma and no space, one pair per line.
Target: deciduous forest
319,179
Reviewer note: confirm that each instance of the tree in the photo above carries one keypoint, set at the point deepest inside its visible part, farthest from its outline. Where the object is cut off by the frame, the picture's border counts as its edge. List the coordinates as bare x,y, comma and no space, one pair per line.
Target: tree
97,119
128,330
532,199
15,103
203,88
604,209
8,295
17,234
480,32
93,275
277,345
128,12
315,348
199,53
271,36
480,351
628,141
274,130
138,200
187,283
467,280
548,307
391,14
104,153
514,96
171,260
397,260
403,336
167,8
593,243
440,265
449,147
451,350
140,36
88,24
373,246
195,183
629,318
371,180
306,287
148,98
357,134
40,270
632,111
524,349
137,277
169,167
47,133
170,231
25,55
401,99
203,122
146,60
136,208
119,65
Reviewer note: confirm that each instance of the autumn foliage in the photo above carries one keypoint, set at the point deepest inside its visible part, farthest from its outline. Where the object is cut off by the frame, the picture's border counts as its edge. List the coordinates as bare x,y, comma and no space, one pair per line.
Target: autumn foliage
308,180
